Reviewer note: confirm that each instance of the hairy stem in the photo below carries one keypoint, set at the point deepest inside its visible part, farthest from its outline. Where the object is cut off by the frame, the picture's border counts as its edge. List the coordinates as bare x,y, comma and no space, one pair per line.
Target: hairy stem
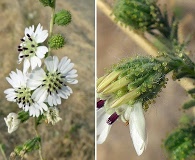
40,148
2,151
51,25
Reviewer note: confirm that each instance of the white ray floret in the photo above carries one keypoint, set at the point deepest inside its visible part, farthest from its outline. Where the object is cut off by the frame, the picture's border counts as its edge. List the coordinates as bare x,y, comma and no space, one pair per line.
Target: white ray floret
30,50
21,93
51,85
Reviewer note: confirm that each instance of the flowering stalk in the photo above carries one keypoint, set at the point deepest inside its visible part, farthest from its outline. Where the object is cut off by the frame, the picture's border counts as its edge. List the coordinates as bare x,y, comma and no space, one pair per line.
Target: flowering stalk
37,134
38,90
51,24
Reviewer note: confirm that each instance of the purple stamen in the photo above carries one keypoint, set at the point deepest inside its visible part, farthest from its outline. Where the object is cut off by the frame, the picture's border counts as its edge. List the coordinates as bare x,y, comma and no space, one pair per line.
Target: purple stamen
112,118
100,104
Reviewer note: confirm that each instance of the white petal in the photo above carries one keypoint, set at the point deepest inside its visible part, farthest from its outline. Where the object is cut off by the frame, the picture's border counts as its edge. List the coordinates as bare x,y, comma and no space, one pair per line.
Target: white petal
102,118
137,128
29,30
41,51
40,94
26,65
49,64
44,106
102,137
34,62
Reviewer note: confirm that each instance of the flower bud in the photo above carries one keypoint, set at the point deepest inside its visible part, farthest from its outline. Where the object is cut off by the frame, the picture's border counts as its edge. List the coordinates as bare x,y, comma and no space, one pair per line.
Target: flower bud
56,41
62,18
50,3
12,122
141,15
135,80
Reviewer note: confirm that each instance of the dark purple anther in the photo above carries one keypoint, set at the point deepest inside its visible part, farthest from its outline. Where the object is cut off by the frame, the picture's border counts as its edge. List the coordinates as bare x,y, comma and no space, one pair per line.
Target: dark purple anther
100,104
112,118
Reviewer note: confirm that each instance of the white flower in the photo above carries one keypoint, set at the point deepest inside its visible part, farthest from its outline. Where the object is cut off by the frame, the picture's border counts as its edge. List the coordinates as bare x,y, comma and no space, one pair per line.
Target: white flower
52,115
132,115
29,49
52,84
21,94
12,122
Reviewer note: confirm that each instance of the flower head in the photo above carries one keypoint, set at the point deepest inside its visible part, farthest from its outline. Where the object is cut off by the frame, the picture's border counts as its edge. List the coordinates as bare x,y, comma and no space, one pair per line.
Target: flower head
125,93
52,84
30,50
21,94
12,122
52,115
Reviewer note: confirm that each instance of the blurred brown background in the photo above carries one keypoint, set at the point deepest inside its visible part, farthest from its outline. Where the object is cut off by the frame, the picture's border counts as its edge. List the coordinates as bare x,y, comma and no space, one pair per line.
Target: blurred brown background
73,137
162,117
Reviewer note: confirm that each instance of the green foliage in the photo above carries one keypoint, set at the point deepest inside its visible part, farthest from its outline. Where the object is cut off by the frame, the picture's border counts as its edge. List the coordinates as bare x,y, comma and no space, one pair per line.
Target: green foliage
189,104
192,92
28,146
180,143
50,3
62,18
56,41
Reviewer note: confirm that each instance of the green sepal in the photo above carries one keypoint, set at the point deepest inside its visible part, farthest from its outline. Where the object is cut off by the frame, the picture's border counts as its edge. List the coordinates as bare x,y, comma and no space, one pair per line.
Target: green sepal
39,120
23,116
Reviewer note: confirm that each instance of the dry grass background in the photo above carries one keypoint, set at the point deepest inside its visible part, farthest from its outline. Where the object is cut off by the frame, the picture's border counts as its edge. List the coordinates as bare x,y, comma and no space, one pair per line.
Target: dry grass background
73,137
162,117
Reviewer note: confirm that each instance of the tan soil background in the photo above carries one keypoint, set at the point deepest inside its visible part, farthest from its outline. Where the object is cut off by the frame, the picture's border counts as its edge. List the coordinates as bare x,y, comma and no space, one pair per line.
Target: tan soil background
162,117
73,137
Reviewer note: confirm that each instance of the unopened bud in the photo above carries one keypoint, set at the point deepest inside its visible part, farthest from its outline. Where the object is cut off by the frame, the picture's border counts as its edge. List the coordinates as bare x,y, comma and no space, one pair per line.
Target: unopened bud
56,41
62,18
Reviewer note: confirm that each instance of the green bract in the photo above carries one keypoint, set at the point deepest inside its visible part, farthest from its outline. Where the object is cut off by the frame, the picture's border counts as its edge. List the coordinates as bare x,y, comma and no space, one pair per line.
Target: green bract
56,41
62,18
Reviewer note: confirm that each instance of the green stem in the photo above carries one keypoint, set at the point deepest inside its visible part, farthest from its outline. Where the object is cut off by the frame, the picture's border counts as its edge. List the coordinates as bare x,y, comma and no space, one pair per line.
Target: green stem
37,134
51,25
3,153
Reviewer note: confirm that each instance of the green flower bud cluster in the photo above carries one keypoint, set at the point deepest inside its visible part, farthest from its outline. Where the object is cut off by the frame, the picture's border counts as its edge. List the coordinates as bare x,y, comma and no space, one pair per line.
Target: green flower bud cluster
139,14
28,146
50,3
56,41
139,79
62,18
180,144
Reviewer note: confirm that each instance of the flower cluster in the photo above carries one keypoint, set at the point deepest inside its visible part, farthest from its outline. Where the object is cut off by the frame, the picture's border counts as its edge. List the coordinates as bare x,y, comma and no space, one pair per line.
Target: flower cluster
125,92
38,89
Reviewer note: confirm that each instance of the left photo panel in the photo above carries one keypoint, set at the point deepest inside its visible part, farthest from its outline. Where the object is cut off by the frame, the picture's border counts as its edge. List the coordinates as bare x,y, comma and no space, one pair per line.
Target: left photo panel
47,97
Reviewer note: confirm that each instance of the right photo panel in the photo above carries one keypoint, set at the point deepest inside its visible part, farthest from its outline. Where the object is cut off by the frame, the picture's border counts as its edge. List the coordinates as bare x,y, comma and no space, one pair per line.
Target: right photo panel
145,86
